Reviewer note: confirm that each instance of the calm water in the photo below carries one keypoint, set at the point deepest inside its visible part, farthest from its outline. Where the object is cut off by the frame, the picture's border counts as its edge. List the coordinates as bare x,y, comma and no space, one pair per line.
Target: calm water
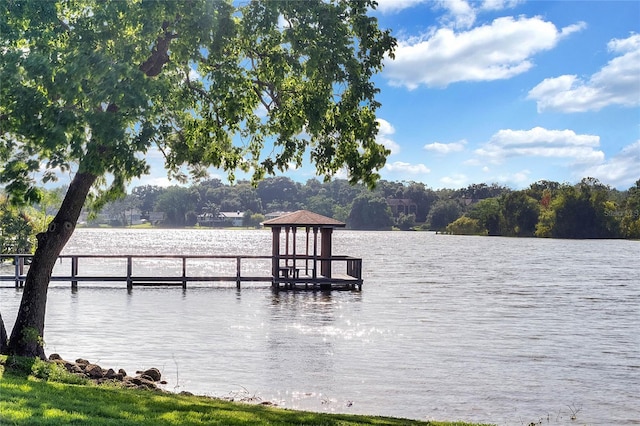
509,331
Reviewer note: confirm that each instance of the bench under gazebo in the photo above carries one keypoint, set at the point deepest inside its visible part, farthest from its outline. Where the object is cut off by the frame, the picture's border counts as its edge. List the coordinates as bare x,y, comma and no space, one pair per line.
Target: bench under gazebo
309,261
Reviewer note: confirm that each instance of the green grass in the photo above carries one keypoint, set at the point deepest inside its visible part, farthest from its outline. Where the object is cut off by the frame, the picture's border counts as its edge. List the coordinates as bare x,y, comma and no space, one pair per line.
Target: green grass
33,392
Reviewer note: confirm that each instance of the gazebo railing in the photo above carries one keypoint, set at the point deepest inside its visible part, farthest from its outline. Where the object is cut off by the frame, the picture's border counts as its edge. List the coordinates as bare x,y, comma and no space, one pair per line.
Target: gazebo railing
312,266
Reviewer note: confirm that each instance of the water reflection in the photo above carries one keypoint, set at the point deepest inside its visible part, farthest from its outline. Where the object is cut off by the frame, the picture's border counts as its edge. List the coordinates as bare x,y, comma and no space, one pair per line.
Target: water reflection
307,360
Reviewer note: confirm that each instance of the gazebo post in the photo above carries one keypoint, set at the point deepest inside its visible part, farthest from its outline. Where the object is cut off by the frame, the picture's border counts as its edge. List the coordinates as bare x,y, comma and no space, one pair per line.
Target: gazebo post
275,252
306,253
325,252
294,229
315,252
286,250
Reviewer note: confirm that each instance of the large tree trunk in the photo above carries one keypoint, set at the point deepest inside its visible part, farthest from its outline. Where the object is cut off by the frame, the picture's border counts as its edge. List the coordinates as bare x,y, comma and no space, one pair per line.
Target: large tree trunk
3,336
28,332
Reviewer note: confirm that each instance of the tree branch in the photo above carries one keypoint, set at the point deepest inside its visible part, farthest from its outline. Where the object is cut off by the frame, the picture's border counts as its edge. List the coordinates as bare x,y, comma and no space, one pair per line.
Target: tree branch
160,53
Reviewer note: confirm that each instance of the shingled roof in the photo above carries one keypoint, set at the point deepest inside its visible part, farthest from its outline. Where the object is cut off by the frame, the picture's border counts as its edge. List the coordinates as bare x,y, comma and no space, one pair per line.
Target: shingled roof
304,218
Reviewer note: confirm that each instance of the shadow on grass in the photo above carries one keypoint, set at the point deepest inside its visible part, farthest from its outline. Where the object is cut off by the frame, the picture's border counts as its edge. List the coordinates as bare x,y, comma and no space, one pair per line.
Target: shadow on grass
17,366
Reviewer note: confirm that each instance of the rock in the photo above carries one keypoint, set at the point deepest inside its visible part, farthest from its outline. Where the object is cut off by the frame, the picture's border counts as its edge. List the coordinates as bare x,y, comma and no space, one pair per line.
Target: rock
94,371
141,383
153,373
73,368
61,362
146,380
111,374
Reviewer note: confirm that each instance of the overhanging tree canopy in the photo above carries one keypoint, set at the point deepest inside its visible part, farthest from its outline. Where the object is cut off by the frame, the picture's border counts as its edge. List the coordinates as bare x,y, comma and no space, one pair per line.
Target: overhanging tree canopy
91,86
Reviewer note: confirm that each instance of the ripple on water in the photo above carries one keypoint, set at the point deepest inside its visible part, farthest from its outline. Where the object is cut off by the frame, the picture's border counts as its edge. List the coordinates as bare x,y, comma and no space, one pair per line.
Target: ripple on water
508,331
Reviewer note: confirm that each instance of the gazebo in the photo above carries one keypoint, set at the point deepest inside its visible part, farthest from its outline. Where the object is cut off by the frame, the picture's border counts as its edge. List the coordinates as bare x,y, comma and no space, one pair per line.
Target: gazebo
312,264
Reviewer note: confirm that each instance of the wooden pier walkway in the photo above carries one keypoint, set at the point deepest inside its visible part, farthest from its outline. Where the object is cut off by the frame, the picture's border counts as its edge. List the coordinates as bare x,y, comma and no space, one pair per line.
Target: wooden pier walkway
181,270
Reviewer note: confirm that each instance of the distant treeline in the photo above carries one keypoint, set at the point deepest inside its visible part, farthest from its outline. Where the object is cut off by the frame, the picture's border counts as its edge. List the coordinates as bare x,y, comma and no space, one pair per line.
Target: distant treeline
589,209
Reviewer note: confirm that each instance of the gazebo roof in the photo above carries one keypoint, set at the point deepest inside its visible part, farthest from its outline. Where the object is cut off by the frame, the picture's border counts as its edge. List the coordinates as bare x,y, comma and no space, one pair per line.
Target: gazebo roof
304,218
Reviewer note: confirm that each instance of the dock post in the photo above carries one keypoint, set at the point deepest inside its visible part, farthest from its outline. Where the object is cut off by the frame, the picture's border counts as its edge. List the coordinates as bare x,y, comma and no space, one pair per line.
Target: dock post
129,280
19,262
238,272
184,272
74,272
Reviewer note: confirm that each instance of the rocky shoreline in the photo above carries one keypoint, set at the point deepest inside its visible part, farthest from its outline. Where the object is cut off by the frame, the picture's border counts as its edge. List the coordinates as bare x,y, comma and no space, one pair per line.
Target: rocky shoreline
147,379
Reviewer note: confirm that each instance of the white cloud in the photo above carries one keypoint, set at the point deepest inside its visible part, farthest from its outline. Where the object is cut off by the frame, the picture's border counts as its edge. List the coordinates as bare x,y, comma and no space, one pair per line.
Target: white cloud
499,4
401,167
341,174
460,13
621,170
519,179
385,130
540,142
446,148
455,181
617,83
457,9
153,181
392,6
499,50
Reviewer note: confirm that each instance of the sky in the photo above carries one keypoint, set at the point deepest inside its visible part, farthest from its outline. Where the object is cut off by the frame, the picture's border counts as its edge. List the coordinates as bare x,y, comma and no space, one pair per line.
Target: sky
504,91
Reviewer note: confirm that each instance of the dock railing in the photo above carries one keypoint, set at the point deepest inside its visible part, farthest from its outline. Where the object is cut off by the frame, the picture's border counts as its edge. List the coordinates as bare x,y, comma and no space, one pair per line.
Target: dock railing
143,270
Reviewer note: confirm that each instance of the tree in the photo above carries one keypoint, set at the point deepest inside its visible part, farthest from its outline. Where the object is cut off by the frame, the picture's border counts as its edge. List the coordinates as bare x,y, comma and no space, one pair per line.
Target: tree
466,226
630,223
119,211
423,197
176,202
16,229
146,196
487,213
406,221
581,212
369,212
543,189
3,336
248,197
388,189
520,213
91,86
342,193
482,191
311,188
278,192
320,204
252,220
443,213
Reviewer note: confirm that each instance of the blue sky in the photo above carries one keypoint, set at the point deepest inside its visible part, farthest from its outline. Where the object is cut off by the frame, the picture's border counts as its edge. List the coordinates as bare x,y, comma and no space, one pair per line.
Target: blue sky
505,91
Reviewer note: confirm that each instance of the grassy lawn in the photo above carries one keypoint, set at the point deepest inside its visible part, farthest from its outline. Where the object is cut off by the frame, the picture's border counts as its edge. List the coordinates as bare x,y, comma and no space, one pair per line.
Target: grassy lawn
38,393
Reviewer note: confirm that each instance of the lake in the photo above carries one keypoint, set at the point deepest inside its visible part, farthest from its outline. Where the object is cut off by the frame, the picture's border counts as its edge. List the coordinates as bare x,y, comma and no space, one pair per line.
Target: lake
483,329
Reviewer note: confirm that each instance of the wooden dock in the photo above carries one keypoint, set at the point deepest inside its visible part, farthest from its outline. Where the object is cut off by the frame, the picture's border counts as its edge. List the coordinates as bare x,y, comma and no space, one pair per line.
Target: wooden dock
291,266
294,273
